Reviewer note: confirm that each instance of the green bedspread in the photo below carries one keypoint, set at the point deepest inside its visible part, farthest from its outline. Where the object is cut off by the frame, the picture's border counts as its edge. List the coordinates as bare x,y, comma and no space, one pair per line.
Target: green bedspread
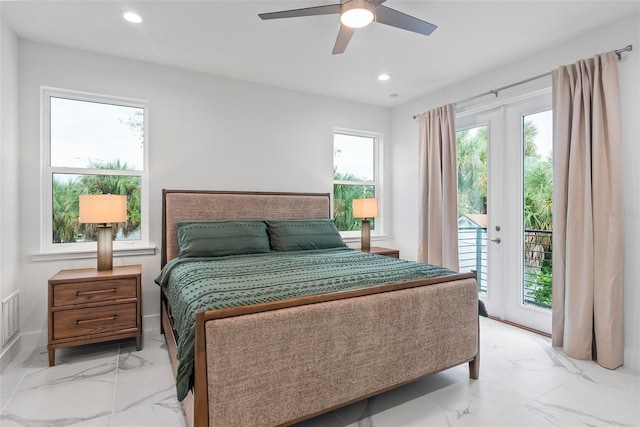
194,284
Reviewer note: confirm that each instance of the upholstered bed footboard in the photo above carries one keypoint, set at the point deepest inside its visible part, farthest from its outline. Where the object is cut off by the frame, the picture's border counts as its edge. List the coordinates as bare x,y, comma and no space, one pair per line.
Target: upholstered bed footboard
282,366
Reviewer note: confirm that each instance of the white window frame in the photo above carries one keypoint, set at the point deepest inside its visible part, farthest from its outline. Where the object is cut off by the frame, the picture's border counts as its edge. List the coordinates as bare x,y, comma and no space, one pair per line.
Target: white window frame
376,183
50,250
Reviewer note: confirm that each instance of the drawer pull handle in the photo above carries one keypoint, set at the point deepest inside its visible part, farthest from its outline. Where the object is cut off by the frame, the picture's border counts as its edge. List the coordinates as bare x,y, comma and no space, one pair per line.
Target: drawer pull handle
101,291
102,319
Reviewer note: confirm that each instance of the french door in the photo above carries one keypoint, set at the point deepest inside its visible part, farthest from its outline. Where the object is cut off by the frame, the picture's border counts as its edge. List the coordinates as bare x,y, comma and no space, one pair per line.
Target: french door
505,184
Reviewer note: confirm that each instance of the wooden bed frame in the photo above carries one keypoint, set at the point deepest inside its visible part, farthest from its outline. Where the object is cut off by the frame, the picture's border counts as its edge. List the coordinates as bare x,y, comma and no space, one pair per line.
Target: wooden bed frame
418,348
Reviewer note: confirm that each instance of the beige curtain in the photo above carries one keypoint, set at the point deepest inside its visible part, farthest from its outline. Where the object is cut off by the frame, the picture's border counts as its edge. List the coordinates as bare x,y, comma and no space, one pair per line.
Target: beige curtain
587,230
438,187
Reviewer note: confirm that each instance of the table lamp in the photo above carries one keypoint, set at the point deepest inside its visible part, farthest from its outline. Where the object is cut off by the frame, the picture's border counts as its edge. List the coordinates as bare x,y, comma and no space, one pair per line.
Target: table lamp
365,208
103,209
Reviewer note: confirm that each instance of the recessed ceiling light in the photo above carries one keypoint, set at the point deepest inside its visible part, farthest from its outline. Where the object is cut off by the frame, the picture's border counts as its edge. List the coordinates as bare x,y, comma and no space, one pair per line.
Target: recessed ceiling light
132,17
384,77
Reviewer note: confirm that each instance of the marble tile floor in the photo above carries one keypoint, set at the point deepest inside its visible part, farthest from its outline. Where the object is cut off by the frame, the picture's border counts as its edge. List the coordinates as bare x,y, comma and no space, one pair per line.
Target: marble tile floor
523,382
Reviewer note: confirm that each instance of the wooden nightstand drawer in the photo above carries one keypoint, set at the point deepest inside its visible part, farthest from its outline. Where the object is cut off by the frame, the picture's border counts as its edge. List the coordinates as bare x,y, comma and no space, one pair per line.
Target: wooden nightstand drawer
95,320
88,306
105,290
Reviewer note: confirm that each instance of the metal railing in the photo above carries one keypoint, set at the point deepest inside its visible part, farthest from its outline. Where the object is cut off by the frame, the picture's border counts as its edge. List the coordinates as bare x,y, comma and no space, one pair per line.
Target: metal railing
472,250
472,247
537,268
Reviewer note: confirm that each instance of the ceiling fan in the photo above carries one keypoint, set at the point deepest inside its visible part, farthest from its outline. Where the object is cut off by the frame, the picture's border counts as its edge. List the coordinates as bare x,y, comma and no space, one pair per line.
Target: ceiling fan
357,14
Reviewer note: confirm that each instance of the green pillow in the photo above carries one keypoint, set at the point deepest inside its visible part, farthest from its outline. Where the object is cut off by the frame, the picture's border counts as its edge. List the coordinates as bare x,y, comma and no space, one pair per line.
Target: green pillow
304,234
220,238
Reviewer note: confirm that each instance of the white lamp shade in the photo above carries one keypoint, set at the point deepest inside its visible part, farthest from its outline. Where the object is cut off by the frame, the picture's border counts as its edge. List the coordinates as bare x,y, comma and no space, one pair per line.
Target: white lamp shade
357,13
365,208
102,208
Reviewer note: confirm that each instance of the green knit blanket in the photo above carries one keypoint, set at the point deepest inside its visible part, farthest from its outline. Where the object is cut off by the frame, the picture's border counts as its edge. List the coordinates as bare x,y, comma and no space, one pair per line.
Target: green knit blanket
194,284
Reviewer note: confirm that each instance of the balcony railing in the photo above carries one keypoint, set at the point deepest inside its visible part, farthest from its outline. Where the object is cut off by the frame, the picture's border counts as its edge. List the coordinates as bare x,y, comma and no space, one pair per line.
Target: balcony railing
537,268
536,283
472,249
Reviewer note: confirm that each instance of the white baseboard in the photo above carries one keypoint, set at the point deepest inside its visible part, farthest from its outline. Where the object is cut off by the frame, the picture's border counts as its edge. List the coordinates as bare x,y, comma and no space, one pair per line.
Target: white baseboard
151,322
632,360
37,339
11,350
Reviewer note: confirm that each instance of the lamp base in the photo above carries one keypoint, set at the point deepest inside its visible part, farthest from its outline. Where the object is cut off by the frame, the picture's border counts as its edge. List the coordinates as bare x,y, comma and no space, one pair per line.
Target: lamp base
365,245
105,248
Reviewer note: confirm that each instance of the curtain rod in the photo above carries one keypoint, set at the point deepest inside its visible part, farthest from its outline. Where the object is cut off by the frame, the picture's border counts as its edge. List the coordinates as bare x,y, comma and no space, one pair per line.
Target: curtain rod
618,52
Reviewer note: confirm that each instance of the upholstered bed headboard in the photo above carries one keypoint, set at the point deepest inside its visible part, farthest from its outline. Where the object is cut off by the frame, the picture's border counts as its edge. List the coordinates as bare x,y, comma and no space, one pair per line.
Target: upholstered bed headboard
184,205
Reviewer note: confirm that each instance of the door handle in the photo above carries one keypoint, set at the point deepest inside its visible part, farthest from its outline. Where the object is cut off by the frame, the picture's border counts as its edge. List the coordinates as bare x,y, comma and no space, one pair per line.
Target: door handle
497,240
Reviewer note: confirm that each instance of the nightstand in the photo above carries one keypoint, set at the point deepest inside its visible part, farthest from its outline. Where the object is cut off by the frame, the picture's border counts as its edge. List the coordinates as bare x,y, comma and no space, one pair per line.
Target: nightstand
88,306
393,253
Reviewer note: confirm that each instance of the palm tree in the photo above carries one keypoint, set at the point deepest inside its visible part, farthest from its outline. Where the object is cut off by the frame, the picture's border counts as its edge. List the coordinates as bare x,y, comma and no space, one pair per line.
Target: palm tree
66,227
529,135
538,211
116,184
343,195
538,201
472,171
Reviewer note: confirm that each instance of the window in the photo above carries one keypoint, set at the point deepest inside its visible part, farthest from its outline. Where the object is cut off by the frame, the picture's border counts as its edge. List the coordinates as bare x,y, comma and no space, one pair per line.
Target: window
355,176
92,144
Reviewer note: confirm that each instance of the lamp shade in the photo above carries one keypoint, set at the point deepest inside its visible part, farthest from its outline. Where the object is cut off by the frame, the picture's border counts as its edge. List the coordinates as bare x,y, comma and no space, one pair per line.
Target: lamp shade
102,208
365,208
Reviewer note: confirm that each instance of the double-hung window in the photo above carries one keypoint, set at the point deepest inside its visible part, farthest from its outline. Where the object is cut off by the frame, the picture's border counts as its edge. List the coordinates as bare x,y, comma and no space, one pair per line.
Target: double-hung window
92,144
355,176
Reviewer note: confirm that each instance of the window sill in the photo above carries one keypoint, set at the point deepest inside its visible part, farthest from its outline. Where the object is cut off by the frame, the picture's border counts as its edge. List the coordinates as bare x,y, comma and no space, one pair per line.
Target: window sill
54,256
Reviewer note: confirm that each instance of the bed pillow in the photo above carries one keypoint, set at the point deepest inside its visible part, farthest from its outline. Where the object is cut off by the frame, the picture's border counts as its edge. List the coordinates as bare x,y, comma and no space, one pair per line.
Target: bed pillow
220,238
304,234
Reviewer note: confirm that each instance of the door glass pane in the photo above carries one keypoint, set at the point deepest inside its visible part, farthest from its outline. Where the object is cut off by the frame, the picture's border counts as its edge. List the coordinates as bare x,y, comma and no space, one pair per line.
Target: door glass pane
537,206
472,202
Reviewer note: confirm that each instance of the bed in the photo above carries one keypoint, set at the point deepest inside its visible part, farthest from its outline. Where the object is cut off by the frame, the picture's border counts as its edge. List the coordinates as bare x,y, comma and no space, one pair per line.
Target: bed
278,360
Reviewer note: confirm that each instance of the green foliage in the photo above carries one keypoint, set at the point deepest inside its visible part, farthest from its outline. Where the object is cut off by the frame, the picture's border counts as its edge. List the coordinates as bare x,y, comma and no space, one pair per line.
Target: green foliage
472,171
66,227
343,195
530,133
542,292
65,224
538,194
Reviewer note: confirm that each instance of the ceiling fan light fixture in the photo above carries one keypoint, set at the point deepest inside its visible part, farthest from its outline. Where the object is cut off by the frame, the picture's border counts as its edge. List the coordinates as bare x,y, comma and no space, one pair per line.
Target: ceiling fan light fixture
357,13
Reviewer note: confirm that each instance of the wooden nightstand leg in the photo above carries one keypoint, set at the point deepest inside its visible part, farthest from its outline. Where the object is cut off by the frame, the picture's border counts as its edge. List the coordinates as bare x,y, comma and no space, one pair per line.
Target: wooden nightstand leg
52,357
139,343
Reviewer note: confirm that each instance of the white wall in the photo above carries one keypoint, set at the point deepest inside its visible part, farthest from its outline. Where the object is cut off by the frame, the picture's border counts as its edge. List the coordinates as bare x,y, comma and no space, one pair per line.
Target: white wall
404,151
205,132
9,241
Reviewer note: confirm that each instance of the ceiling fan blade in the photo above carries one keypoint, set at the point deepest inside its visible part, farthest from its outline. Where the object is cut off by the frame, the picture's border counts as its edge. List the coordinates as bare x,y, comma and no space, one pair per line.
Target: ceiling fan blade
344,35
377,2
388,16
307,11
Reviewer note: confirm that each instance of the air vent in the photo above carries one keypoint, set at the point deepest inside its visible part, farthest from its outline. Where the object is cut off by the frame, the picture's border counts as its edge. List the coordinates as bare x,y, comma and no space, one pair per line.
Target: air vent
10,317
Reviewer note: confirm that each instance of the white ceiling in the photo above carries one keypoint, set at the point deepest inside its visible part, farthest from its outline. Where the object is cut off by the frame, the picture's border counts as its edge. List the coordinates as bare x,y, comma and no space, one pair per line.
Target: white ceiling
227,38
